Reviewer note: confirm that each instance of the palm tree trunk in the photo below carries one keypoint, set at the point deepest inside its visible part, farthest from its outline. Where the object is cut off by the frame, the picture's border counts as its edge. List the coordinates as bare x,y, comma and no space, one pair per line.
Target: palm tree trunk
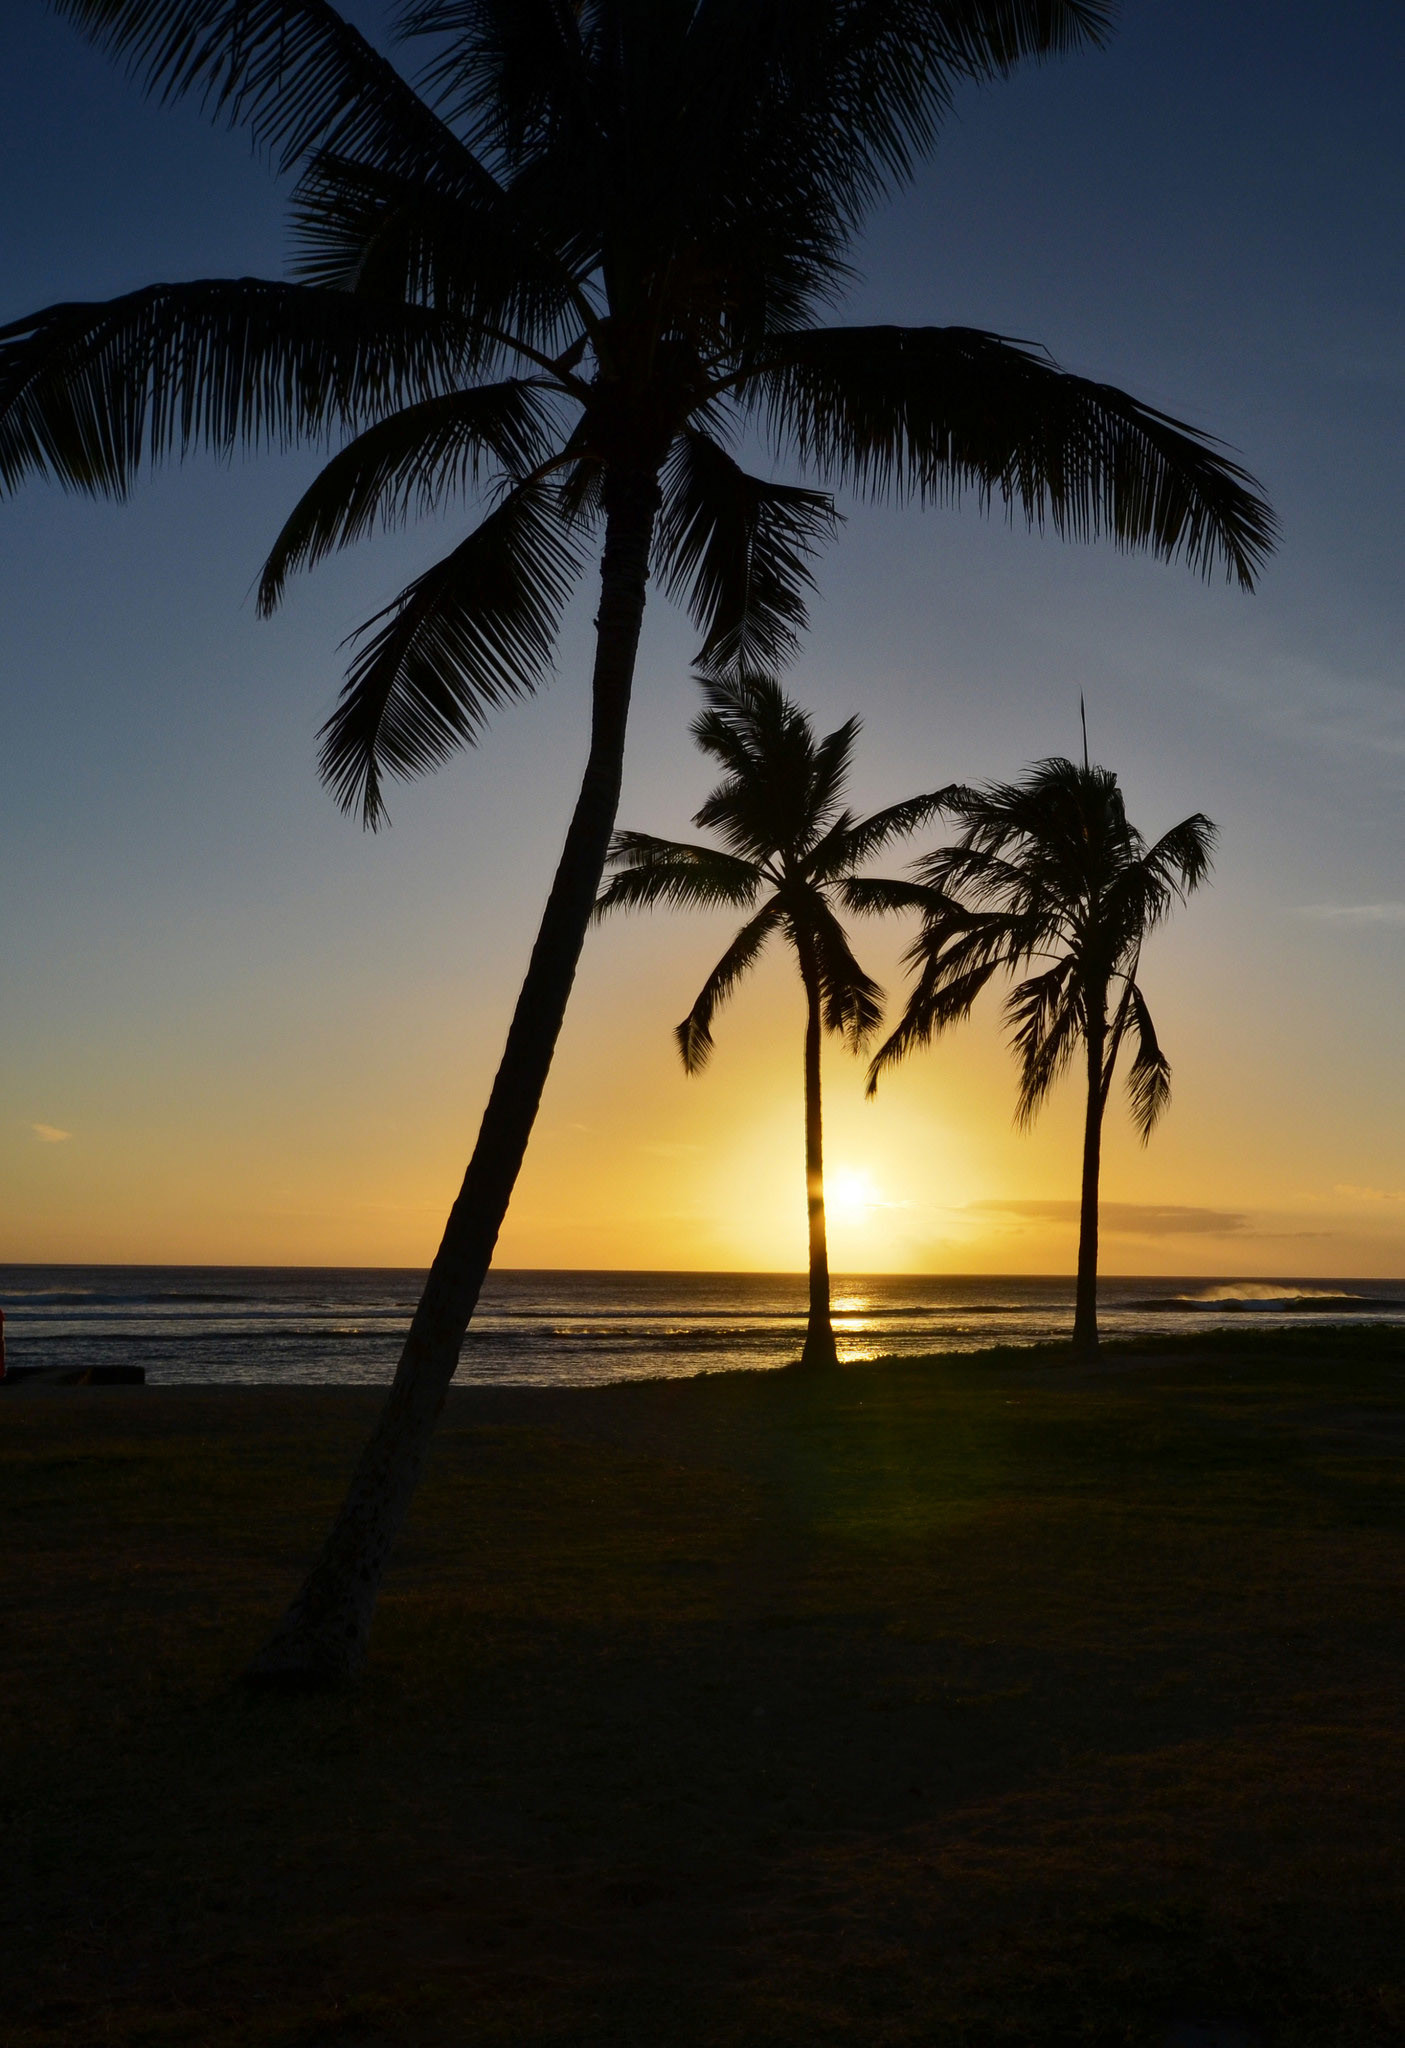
819,1334
322,1638
1085,1313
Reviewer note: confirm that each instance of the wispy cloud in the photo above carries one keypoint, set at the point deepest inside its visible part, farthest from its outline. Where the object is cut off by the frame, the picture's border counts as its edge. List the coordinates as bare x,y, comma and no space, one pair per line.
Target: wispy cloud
50,1134
1356,1194
1355,913
1126,1219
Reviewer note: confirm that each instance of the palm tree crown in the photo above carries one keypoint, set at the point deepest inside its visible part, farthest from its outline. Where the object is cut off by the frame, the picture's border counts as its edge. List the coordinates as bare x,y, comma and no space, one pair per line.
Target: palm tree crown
789,847
587,253
787,840
1048,880
1048,869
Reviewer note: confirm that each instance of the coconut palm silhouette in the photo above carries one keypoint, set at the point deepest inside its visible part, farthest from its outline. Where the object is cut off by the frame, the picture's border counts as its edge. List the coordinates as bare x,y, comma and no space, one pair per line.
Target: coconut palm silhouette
1049,880
565,275
787,841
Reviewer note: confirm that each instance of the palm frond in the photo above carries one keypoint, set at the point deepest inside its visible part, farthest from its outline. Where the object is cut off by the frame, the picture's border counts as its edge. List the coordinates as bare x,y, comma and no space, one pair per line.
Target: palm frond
411,464
292,72
857,842
955,939
476,629
505,71
649,871
766,806
852,1002
832,758
876,895
934,412
470,253
1049,870
1183,857
88,392
974,871
1045,1019
694,1034
1149,1076
937,1000
843,98
736,550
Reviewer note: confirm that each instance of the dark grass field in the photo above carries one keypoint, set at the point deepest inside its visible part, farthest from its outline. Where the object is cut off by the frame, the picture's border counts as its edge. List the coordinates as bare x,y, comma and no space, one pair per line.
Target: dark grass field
971,1702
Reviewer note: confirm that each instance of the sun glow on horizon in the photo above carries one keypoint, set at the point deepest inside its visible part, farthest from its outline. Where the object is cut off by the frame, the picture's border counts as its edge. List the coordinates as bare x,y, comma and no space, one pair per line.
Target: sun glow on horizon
851,1197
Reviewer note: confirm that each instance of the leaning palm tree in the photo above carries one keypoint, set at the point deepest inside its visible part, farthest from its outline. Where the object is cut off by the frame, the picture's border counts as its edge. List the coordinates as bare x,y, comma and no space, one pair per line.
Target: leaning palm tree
564,275
1049,880
789,842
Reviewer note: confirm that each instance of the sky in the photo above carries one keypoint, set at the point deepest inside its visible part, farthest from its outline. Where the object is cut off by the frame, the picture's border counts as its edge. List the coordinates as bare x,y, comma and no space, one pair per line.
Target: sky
236,1029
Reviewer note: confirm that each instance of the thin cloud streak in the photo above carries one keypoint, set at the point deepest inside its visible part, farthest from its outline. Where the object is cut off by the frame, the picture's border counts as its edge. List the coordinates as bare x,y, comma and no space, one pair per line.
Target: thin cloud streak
50,1134
1125,1219
1355,913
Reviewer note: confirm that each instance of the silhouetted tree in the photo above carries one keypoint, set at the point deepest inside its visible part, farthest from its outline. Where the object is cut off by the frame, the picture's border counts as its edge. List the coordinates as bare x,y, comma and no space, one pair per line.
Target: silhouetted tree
584,256
1049,880
788,842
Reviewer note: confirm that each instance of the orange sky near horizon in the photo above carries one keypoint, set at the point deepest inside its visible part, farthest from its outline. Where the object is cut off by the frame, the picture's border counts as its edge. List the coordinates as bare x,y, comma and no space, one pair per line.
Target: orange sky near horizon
634,1164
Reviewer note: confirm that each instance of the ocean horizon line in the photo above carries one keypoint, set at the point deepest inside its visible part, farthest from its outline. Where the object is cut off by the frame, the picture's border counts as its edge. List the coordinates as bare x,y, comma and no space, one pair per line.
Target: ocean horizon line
1263,1276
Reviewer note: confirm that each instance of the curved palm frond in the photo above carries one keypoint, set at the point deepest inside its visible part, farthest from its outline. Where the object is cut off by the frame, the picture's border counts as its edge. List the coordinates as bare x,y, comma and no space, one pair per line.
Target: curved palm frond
843,849
408,465
1045,1017
1149,1076
473,256
293,72
932,412
649,871
971,870
504,71
875,895
832,758
852,1002
935,1002
476,629
90,391
1182,858
694,1034
852,94
745,720
736,550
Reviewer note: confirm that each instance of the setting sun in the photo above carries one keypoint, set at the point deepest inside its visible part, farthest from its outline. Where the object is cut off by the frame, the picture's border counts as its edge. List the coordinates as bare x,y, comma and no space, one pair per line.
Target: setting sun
850,1195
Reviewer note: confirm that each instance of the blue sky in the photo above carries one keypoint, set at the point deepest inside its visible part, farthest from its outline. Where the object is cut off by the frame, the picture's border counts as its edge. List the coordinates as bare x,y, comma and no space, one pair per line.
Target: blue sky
269,1034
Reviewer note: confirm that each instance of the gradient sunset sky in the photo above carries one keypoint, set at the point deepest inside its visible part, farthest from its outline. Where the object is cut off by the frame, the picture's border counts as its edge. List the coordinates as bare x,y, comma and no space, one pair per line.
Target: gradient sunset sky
234,1028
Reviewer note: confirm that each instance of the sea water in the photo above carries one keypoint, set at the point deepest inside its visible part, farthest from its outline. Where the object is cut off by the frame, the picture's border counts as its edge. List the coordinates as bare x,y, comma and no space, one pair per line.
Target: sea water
343,1326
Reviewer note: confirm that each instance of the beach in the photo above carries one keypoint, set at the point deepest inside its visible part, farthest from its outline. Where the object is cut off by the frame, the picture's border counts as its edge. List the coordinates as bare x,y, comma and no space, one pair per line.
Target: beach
954,1700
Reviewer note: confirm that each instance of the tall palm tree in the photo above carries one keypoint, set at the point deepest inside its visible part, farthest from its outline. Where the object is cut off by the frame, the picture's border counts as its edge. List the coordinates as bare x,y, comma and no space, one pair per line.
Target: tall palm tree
1049,880
585,254
788,842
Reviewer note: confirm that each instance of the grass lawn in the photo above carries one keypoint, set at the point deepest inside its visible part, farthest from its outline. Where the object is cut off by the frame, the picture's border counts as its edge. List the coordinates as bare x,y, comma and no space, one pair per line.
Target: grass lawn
971,1702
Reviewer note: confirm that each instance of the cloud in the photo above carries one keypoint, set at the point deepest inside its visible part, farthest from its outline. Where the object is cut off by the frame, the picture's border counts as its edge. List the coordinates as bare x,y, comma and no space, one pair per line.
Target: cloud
50,1134
1126,1219
1355,913
1355,1194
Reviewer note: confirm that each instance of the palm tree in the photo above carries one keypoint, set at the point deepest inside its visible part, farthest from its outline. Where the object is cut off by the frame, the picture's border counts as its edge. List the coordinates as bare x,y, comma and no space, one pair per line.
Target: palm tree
1049,870
588,251
787,841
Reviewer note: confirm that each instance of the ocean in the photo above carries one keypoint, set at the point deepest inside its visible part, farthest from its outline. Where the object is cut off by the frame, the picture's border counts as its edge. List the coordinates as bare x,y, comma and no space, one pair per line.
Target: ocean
337,1326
